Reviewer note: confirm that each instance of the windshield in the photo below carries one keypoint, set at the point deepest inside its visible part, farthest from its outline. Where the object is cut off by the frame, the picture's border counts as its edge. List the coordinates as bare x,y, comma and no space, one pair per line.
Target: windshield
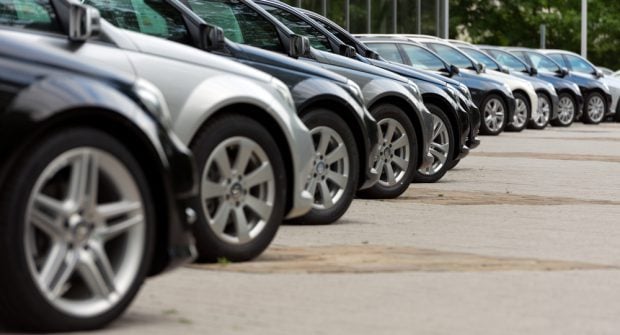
151,17
452,56
482,58
508,60
300,27
423,59
240,23
543,63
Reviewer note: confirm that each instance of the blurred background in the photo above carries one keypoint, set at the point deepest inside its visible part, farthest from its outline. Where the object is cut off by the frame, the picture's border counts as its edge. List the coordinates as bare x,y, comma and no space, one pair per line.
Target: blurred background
496,22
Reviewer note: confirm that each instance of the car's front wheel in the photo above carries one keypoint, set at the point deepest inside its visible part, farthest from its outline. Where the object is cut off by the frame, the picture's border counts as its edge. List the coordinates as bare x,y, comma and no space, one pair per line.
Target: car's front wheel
443,144
396,161
334,176
494,113
567,107
76,233
523,112
543,114
242,189
595,108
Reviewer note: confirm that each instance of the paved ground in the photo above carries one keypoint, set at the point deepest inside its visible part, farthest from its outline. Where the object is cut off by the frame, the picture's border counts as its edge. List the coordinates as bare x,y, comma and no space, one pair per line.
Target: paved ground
522,237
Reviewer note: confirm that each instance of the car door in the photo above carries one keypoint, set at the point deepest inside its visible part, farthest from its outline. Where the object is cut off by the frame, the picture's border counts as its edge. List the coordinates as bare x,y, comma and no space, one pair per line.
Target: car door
36,22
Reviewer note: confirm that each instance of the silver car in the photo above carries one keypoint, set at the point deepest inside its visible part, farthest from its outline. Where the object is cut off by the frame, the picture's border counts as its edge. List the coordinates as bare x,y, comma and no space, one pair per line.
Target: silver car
251,148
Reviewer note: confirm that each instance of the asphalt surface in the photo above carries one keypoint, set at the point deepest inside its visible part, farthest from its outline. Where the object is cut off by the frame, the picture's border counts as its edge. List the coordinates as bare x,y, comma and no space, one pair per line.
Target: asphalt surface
522,237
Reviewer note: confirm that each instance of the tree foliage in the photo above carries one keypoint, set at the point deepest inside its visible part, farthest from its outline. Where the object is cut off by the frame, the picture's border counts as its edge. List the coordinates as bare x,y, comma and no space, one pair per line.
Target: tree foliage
517,23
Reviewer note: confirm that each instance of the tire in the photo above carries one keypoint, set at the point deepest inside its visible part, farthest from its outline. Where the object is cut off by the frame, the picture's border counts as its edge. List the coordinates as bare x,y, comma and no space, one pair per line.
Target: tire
404,148
453,164
543,115
442,135
594,108
567,110
523,113
229,194
493,114
617,115
325,210
36,205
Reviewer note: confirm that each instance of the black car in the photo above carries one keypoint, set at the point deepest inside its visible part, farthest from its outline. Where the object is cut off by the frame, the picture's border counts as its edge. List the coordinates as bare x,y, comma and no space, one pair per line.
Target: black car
330,105
451,119
97,192
539,116
589,87
569,96
405,124
488,94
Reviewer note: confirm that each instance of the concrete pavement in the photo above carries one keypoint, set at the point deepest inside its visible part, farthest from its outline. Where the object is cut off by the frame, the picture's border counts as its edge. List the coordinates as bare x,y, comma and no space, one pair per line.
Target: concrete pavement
522,237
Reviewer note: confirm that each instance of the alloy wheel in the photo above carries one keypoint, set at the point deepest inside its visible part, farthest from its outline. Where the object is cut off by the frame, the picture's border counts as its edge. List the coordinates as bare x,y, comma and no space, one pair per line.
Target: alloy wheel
85,232
394,152
544,111
520,117
440,147
596,108
566,110
329,175
238,190
494,114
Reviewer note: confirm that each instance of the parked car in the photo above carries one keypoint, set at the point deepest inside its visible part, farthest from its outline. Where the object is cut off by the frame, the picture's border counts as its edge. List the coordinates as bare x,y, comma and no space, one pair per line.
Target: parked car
405,123
451,120
525,96
97,192
491,95
606,71
579,65
345,134
595,93
539,116
569,96
253,152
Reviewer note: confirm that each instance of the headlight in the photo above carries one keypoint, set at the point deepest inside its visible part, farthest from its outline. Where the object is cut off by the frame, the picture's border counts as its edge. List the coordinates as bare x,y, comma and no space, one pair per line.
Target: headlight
284,93
356,92
153,100
465,91
415,90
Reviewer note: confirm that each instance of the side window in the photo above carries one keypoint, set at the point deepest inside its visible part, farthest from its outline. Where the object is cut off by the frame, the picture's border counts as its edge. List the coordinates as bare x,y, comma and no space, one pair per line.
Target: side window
510,61
579,65
29,14
300,27
521,56
388,51
423,59
452,55
151,17
241,23
543,63
346,39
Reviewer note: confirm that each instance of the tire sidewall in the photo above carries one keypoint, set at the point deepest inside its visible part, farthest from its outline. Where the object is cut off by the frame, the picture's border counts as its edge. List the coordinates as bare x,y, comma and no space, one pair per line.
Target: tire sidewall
326,118
210,246
24,176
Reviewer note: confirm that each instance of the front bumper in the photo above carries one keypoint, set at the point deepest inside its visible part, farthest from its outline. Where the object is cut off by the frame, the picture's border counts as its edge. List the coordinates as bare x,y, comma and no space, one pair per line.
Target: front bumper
302,154
512,106
555,104
372,144
180,183
426,159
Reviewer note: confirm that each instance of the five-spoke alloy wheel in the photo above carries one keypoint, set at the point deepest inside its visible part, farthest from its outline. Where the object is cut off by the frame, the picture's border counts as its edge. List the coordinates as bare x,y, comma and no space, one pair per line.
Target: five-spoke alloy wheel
82,237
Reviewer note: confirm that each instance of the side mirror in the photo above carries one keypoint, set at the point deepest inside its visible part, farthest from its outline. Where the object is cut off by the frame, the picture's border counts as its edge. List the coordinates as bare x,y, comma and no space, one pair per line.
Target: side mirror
299,46
84,22
211,37
454,70
533,71
347,51
480,68
564,72
504,69
371,54
599,74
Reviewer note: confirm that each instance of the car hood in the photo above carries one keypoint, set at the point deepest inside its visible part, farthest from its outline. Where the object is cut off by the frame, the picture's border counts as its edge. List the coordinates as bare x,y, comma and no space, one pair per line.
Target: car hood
172,50
337,60
259,55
